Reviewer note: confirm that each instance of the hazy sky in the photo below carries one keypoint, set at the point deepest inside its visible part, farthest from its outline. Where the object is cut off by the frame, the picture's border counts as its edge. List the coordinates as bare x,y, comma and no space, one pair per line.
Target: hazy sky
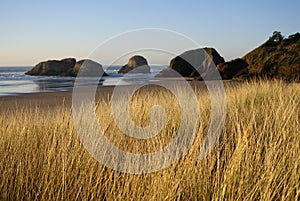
32,31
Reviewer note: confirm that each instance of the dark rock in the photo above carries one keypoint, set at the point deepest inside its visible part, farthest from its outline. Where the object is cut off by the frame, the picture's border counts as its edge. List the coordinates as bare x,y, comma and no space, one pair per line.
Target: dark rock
88,68
235,68
136,64
67,67
191,62
52,67
216,57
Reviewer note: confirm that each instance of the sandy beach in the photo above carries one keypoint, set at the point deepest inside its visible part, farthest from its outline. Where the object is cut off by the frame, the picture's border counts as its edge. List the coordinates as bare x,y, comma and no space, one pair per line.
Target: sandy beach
43,100
49,100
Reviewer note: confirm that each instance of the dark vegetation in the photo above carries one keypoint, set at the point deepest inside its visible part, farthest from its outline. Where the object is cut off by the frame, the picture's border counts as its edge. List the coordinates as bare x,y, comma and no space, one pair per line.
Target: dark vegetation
278,57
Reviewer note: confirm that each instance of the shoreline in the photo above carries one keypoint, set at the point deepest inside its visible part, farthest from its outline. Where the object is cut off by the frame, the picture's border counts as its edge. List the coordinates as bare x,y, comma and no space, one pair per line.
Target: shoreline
51,100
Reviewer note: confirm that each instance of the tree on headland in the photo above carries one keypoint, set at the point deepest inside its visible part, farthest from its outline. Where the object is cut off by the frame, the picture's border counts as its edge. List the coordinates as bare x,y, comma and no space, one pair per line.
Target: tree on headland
276,38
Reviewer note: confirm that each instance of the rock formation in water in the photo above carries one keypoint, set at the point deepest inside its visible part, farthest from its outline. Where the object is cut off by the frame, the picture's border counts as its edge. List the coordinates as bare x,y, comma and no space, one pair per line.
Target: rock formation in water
193,62
136,64
66,67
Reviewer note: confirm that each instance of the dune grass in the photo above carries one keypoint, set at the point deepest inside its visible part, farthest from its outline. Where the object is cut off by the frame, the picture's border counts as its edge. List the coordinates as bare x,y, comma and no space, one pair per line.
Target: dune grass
257,157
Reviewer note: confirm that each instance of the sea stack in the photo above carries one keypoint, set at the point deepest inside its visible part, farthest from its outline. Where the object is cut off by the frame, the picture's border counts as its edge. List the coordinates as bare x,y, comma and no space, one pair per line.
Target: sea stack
193,62
66,67
136,64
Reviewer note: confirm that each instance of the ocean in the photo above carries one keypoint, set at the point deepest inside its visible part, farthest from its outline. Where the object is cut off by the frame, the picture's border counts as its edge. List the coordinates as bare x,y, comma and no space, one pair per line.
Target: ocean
13,80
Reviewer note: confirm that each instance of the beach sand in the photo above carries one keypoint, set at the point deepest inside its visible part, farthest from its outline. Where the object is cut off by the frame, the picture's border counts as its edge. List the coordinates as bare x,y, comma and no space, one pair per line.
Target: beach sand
50,100
44,100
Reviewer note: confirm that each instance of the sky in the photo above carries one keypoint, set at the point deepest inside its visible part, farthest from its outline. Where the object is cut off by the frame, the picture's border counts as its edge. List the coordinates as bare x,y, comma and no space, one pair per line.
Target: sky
32,31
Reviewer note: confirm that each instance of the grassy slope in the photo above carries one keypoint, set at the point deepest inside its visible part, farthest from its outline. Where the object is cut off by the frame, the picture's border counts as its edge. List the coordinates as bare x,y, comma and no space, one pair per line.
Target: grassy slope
276,59
257,156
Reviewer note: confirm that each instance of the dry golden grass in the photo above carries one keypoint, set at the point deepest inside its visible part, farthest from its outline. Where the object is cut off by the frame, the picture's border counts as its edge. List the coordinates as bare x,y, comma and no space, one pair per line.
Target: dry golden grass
257,157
